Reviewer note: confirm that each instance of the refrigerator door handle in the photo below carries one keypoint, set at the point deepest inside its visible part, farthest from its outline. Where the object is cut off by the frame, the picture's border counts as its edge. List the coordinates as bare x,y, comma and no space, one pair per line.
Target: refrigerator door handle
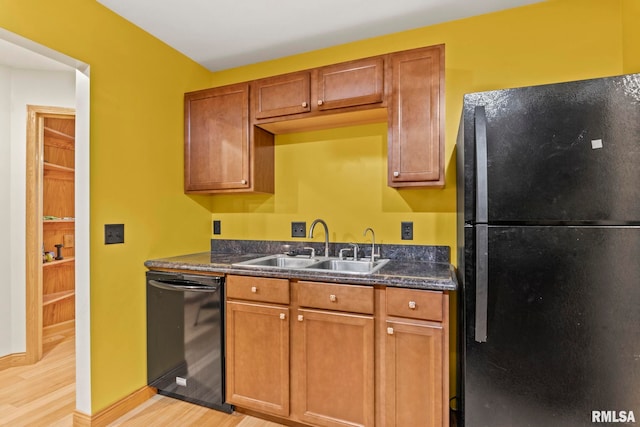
482,281
482,231
481,165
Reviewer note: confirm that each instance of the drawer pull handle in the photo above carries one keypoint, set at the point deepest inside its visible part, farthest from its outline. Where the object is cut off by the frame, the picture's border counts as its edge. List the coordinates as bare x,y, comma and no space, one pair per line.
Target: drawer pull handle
390,331
282,316
412,305
243,182
300,317
320,102
396,174
333,298
254,289
304,104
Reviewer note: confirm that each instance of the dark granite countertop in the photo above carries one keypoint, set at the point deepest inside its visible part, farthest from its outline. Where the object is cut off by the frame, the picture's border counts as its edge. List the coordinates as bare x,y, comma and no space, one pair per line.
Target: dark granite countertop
398,272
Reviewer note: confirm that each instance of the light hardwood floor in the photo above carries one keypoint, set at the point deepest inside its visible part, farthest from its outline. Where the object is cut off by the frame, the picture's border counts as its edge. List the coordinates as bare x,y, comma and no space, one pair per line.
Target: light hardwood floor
43,394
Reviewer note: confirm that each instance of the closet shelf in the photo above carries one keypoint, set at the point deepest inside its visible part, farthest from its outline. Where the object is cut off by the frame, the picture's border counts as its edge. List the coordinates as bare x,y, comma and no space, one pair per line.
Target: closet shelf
55,297
58,262
55,167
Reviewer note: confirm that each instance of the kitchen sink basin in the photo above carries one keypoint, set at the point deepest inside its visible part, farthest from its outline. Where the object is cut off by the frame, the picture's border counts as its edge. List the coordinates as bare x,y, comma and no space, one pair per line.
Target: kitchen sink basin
316,264
279,261
349,266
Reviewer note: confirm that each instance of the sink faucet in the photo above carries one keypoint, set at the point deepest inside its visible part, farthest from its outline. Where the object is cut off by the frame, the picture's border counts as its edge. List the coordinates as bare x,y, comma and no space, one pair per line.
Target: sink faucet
326,234
373,242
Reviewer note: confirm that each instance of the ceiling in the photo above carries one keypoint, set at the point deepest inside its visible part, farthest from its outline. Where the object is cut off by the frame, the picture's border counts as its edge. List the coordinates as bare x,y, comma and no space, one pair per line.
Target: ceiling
221,34
14,56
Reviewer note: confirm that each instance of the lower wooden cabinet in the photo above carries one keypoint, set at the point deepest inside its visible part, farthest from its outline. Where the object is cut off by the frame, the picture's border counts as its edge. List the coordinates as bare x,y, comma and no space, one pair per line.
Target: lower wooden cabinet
414,375
349,356
257,362
416,355
336,369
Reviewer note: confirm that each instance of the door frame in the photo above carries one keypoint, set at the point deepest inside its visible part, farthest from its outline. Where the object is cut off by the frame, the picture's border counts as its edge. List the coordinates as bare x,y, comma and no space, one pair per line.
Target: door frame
34,211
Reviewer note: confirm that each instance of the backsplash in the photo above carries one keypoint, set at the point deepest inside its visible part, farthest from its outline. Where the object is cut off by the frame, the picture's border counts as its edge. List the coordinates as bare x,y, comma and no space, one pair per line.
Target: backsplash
404,252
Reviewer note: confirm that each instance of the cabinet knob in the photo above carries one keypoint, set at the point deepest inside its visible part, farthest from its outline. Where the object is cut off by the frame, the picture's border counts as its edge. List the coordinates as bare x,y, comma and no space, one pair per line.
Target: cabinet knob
254,289
300,317
333,298
283,316
396,174
320,102
412,305
243,182
390,331
304,104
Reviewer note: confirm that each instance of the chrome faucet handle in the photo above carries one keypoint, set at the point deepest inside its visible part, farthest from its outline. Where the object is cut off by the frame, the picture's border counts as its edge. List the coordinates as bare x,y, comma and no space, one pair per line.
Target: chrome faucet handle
355,250
313,251
341,251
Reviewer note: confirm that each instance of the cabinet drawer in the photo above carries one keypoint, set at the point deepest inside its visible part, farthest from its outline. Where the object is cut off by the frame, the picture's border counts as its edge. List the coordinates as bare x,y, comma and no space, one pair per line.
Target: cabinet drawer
258,289
425,305
329,296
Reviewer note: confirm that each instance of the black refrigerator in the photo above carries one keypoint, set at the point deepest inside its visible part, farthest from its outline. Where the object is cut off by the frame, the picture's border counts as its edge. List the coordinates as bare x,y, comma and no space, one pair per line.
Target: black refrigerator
549,255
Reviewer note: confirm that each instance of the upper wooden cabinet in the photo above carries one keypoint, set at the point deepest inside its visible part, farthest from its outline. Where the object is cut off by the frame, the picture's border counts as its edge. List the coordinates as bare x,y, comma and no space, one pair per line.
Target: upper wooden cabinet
229,130
416,118
282,95
222,153
350,84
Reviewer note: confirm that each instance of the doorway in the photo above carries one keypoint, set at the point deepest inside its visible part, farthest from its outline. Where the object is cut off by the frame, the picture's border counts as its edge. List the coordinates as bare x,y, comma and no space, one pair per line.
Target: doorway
50,224
28,49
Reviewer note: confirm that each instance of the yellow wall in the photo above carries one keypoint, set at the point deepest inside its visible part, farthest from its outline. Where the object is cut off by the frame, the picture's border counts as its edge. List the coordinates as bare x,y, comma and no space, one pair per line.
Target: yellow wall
631,35
137,84
340,175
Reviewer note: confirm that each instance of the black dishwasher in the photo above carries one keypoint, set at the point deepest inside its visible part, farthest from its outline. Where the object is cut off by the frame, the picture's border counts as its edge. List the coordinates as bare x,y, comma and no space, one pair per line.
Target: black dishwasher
185,337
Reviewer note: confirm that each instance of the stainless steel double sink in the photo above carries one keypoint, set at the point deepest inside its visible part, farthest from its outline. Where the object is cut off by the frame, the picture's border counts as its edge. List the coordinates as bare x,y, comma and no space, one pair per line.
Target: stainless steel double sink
364,266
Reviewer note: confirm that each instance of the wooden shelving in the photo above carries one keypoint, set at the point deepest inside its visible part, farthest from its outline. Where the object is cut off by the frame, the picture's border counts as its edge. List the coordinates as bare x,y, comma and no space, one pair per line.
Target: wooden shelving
61,135
58,199
55,167
58,296
57,262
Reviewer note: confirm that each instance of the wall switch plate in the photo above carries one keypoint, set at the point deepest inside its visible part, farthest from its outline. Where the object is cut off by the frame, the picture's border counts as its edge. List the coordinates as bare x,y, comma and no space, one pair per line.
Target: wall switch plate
298,229
216,226
406,230
113,233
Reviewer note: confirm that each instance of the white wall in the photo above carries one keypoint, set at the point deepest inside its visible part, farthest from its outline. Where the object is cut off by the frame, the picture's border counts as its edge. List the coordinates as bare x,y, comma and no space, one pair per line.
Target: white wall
26,87
5,164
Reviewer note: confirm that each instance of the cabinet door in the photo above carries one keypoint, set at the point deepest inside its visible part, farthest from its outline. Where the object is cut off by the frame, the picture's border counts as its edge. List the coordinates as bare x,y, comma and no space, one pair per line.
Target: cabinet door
216,139
282,95
350,84
336,375
414,375
416,118
257,348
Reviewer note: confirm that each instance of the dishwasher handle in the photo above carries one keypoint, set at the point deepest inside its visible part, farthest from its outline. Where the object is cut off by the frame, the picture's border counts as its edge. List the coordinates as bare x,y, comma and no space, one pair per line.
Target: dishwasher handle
181,286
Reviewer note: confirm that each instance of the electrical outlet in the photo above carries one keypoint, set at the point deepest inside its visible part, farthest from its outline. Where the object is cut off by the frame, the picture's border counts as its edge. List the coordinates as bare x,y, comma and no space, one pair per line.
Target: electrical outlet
406,230
113,233
298,229
216,226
